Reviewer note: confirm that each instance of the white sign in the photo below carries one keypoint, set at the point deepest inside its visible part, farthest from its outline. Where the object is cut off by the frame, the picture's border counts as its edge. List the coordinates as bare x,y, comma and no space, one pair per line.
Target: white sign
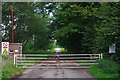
16,51
5,48
112,48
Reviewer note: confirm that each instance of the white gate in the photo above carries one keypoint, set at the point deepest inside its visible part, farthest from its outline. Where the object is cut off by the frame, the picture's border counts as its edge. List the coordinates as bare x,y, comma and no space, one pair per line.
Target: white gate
56,61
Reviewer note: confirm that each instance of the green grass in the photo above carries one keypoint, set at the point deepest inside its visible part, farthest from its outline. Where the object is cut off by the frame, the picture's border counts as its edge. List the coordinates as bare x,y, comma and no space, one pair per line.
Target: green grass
99,73
105,69
27,64
0,67
9,70
38,52
86,62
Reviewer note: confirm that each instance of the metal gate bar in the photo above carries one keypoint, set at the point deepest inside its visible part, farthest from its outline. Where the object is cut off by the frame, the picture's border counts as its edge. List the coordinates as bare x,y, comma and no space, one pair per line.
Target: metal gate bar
56,61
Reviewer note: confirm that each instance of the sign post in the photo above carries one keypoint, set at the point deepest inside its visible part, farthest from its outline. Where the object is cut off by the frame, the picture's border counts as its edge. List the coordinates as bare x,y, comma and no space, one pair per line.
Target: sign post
5,48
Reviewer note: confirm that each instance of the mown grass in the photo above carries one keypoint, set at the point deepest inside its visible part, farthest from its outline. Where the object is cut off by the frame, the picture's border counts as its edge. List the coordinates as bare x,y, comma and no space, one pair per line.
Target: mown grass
35,58
105,69
8,68
39,52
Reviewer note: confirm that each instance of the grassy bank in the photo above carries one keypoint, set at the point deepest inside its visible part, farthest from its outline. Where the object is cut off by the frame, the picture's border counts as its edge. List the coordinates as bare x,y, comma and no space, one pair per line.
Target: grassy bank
39,52
0,67
105,69
8,69
32,60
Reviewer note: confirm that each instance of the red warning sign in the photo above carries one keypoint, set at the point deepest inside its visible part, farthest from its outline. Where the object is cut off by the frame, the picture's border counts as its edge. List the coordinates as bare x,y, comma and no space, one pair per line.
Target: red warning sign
5,45
5,48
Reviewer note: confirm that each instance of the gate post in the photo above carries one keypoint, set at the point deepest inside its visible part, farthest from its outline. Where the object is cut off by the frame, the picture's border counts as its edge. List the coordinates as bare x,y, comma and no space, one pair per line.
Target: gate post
101,55
14,59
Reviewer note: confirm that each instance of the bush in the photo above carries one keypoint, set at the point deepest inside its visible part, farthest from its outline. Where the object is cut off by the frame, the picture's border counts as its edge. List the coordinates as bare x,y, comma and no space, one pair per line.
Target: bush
105,69
108,66
0,67
9,70
38,52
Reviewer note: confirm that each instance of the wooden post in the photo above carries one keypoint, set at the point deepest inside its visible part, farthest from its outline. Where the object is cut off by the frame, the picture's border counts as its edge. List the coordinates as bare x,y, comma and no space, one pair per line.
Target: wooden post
12,13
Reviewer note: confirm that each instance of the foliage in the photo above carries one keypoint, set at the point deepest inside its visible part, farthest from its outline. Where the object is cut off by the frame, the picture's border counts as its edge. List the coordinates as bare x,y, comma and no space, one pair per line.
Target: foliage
9,70
28,23
105,69
0,67
38,52
108,66
78,27
87,27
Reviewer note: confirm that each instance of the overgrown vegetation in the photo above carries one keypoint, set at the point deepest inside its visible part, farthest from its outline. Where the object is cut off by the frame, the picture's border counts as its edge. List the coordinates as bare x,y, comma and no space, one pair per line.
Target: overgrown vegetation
0,67
38,52
8,68
31,25
105,69
87,27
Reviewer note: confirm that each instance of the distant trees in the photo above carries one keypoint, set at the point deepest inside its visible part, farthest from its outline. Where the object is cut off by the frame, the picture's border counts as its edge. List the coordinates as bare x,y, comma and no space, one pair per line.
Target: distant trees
78,27
31,27
87,27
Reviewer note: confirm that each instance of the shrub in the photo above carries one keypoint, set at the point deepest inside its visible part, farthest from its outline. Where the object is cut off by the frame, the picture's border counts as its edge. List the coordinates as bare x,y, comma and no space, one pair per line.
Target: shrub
0,67
8,68
108,66
37,52
105,69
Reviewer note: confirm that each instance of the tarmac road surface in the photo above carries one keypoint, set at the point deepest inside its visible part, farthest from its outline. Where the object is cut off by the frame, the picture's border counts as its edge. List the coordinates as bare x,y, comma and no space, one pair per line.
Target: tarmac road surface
55,73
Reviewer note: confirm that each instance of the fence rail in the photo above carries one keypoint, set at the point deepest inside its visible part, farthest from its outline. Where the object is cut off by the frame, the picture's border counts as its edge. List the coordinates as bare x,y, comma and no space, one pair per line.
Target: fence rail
57,61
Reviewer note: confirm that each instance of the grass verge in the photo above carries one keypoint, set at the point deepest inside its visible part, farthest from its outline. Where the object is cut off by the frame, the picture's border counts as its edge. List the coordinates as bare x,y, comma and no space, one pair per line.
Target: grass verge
105,69
0,67
8,68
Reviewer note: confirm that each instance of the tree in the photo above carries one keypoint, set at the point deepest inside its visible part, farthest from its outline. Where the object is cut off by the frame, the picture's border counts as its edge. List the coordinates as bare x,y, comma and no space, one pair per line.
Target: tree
73,21
95,23
28,22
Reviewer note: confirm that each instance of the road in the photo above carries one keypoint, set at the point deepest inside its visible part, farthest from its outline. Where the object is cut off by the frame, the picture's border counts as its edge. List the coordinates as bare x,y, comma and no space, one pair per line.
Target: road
55,73
65,73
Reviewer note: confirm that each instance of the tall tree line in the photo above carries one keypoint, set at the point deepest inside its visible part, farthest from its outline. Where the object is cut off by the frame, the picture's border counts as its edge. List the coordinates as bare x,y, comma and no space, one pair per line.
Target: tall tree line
88,27
30,24
79,27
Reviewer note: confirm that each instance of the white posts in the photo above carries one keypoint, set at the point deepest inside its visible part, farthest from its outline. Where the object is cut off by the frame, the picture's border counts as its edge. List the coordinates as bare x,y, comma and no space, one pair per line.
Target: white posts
15,58
0,40
101,56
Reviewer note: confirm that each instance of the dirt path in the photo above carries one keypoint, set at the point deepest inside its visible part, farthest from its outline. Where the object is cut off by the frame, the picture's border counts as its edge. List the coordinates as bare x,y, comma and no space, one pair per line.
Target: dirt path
55,73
